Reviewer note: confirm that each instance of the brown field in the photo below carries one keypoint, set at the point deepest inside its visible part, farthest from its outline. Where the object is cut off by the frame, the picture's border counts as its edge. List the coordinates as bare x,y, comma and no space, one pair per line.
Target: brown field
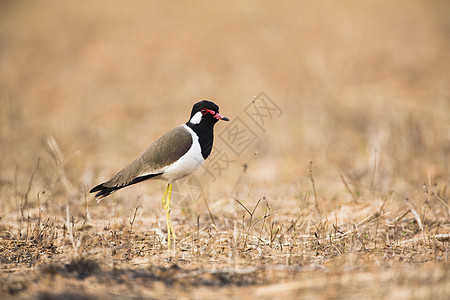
338,188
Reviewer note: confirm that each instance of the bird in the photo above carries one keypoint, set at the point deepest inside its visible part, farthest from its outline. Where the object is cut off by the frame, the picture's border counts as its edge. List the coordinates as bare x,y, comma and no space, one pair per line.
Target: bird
174,155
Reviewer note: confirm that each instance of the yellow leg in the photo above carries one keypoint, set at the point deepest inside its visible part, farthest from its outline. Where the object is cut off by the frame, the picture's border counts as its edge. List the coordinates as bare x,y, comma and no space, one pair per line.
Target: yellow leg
166,204
168,209
163,200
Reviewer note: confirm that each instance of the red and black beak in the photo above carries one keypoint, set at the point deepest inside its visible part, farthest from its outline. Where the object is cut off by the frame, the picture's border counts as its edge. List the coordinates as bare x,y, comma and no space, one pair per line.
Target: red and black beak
217,115
220,117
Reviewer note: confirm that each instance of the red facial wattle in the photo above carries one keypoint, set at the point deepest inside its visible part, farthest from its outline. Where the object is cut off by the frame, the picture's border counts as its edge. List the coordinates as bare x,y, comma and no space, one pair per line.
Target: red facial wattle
214,114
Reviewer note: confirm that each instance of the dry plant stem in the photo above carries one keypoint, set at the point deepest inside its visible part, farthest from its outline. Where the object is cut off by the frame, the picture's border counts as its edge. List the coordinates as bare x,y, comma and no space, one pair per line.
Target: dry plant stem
198,227
401,217
15,184
290,228
380,212
39,207
251,225
20,205
418,220
442,196
56,154
414,213
314,186
70,230
336,229
244,207
374,169
305,197
235,240
444,202
442,237
266,209
357,227
236,184
348,189
209,210
426,193
28,227
250,221
85,204
38,236
30,182
134,217
21,219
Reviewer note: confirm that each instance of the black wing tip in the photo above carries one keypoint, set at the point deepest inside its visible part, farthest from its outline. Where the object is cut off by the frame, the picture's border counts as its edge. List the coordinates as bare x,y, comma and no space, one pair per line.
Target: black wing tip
96,188
103,191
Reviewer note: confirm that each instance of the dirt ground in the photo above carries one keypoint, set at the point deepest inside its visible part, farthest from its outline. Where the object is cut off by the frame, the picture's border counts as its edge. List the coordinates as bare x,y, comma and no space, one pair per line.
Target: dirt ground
330,180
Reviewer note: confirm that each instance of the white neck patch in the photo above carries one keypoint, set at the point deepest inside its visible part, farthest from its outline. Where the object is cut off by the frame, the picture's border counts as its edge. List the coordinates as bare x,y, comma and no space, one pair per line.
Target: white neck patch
197,118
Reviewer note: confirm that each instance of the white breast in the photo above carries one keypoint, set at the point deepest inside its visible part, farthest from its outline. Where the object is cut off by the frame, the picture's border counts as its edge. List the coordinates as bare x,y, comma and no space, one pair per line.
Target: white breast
188,163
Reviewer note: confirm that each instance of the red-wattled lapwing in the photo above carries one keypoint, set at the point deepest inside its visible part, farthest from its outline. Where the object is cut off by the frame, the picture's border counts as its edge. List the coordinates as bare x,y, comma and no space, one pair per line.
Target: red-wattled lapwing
174,155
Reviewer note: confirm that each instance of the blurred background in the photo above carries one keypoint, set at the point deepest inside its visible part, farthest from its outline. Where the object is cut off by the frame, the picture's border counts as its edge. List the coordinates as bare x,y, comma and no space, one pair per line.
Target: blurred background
362,88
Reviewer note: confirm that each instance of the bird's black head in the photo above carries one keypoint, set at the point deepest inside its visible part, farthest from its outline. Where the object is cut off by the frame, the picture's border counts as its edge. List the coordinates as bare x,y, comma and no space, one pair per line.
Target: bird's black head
205,113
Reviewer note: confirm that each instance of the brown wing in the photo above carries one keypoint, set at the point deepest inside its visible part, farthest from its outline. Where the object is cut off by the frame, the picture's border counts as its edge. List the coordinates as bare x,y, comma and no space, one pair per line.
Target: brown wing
163,152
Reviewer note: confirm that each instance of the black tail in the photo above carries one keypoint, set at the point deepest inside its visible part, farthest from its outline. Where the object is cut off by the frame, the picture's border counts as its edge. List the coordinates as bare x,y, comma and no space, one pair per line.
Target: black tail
104,190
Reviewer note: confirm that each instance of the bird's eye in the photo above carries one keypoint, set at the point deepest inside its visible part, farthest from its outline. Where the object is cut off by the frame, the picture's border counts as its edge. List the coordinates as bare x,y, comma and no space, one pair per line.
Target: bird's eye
204,111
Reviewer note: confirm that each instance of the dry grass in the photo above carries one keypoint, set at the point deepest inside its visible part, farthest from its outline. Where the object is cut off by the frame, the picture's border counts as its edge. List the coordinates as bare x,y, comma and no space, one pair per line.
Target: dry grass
341,194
